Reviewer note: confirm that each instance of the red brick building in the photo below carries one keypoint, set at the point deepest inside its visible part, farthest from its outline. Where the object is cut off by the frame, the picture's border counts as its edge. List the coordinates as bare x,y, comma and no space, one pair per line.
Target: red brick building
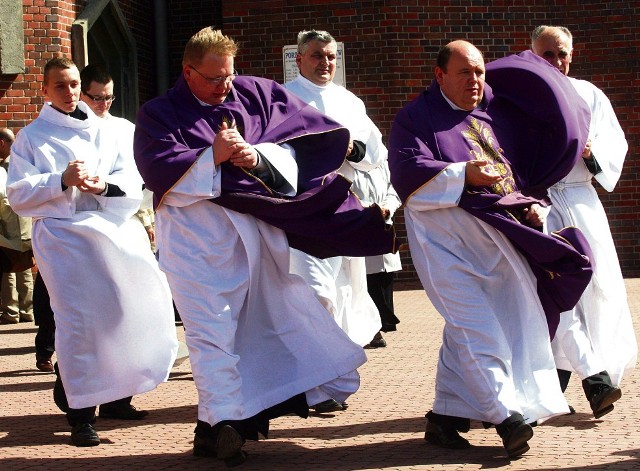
390,49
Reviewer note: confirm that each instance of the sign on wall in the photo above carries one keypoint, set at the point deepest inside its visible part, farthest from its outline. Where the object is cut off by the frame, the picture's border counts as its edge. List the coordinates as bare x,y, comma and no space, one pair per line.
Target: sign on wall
290,68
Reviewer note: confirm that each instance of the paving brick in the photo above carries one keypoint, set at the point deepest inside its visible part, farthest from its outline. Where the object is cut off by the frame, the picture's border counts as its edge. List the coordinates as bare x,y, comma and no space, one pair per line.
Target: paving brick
382,429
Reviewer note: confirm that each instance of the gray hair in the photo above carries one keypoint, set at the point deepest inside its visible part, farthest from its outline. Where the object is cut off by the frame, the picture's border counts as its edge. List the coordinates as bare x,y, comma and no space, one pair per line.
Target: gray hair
305,37
538,31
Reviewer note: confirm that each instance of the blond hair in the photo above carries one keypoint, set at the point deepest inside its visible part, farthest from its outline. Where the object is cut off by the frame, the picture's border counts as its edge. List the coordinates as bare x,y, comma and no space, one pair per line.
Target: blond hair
208,40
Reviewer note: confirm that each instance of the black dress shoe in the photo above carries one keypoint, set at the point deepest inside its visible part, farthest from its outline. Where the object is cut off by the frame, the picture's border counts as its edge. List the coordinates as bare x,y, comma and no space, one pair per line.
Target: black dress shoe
204,445
377,342
515,434
229,446
602,398
445,437
330,405
84,435
122,412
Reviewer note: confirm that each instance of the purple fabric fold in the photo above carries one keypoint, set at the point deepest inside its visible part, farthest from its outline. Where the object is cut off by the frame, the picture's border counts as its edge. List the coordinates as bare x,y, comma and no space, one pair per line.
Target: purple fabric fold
323,219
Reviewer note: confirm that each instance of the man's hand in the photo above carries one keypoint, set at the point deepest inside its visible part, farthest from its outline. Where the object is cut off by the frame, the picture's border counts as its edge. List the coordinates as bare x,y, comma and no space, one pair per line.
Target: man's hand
230,145
350,148
535,215
475,175
75,173
93,185
586,153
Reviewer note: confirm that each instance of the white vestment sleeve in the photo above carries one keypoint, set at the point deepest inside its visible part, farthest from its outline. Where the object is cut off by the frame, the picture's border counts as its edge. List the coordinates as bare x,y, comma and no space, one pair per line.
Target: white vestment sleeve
608,144
283,158
201,182
33,193
443,191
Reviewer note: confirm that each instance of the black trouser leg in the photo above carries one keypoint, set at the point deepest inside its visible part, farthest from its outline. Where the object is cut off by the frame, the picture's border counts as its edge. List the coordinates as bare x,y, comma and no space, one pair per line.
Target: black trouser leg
460,424
86,415
124,402
564,376
380,288
43,314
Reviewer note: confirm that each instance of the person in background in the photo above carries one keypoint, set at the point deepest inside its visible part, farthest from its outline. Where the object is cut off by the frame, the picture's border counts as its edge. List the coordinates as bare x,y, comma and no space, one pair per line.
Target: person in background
375,187
16,293
340,283
97,92
595,339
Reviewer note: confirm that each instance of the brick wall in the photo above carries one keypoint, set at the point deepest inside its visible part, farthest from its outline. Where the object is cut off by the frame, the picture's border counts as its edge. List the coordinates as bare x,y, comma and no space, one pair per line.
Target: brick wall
390,48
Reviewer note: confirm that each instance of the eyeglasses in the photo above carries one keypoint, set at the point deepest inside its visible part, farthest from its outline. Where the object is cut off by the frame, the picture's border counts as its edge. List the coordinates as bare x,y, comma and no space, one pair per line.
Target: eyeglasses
99,99
217,80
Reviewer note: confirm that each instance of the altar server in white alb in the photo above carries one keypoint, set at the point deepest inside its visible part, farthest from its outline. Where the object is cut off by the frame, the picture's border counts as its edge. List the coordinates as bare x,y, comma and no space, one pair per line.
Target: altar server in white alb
596,339
115,332
340,283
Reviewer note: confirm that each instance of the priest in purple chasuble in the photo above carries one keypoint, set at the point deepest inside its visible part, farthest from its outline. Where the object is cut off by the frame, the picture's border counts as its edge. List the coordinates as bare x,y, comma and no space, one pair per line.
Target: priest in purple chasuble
472,161
241,170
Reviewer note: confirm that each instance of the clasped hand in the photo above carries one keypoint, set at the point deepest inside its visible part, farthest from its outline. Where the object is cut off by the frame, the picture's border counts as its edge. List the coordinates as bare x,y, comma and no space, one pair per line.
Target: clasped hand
76,174
229,145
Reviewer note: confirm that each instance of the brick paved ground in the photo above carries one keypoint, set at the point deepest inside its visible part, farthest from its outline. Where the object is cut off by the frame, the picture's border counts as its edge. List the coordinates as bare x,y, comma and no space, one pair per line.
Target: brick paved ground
383,428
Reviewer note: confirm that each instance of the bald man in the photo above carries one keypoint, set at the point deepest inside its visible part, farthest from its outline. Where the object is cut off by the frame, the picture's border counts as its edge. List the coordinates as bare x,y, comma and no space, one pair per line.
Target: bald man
495,363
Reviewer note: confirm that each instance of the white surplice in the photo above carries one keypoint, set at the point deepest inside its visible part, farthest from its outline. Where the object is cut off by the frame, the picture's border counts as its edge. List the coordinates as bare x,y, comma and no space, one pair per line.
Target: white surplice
598,333
340,283
115,332
496,357
257,335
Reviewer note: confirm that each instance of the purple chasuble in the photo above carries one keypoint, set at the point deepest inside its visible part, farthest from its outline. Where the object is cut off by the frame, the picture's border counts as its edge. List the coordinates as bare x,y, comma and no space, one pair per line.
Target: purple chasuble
324,219
531,127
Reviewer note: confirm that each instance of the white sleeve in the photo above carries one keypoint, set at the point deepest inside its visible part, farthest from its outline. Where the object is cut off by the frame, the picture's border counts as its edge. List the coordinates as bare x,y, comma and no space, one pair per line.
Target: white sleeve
443,191
201,182
283,158
32,192
608,144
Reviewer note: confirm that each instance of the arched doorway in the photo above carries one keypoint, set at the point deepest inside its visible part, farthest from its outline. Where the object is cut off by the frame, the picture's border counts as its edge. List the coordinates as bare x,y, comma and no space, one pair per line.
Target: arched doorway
101,35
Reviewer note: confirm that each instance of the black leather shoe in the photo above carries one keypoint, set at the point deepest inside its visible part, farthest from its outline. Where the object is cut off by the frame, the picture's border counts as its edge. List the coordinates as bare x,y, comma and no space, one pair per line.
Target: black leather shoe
602,398
445,437
229,446
123,412
204,445
84,435
515,434
330,405
377,342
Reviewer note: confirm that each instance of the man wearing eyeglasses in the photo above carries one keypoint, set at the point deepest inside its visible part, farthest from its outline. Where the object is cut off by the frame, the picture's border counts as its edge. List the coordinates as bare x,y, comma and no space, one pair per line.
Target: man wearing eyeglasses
97,92
360,304
596,338
241,169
